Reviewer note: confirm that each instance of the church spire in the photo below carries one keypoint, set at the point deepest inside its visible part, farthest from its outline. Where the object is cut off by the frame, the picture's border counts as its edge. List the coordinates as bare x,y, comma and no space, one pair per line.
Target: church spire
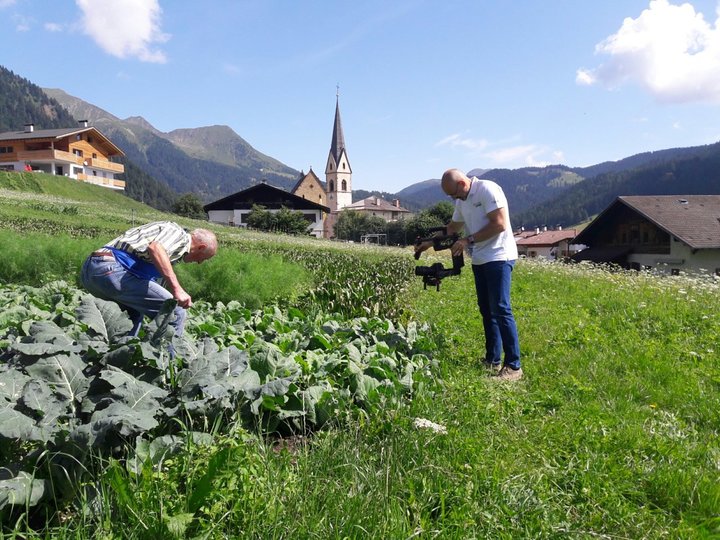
338,174
338,138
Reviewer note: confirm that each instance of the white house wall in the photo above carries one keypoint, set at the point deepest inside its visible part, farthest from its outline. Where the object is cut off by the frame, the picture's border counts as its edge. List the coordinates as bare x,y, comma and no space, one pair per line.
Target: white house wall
681,257
238,218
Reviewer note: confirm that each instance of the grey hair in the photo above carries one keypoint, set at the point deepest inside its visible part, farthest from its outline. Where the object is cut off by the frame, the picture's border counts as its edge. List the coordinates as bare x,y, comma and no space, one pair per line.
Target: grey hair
203,236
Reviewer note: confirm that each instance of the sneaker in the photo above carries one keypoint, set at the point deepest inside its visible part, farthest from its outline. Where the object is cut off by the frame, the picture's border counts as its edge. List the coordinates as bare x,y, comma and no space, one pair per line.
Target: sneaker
510,374
493,368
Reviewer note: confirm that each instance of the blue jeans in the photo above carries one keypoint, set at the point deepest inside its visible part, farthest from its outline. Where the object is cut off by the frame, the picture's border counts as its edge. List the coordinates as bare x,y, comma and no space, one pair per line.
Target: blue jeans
104,278
492,285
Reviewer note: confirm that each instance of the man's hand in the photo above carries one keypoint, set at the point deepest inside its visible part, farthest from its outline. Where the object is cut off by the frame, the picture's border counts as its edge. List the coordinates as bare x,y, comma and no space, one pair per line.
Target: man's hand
459,246
422,246
183,298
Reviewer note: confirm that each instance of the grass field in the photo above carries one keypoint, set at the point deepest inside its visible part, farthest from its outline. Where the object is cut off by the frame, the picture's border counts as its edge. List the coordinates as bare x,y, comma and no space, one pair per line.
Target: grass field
613,433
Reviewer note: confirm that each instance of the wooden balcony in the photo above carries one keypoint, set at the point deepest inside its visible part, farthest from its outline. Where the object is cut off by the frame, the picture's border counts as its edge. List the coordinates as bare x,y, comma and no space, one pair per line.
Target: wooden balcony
105,165
100,181
67,157
49,155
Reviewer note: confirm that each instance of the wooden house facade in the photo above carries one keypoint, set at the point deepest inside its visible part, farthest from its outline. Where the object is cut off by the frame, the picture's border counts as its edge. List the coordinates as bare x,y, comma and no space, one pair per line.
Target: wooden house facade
82,153
670,233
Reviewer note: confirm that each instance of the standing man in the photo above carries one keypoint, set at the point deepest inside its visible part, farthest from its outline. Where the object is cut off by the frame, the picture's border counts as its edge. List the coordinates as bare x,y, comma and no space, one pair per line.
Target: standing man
128,268
481,209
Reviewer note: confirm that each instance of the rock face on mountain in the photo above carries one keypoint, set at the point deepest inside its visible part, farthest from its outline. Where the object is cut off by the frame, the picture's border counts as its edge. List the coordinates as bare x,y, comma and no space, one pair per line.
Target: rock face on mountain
211,161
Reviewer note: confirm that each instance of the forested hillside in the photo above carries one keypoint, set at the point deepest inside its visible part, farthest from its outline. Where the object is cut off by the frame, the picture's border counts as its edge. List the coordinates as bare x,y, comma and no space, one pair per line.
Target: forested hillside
697,175
22,102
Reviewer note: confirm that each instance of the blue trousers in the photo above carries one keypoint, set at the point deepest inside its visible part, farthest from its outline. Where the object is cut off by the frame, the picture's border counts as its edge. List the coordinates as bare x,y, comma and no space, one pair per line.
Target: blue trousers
105,278
492,285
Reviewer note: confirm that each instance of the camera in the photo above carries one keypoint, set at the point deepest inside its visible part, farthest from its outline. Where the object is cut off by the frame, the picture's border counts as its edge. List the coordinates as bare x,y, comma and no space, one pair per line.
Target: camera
432,275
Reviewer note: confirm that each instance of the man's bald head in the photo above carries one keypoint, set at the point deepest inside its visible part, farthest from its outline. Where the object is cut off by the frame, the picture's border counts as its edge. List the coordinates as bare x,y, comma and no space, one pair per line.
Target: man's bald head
455,183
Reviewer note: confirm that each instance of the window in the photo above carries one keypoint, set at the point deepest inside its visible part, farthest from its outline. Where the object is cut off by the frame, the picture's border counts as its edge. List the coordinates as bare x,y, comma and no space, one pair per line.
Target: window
94,155
344,185
78,137
77,152
332,185
343,166
6,149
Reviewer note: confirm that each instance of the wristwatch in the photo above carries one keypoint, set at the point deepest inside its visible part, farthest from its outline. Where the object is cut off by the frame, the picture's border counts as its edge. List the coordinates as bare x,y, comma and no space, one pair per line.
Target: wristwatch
470,238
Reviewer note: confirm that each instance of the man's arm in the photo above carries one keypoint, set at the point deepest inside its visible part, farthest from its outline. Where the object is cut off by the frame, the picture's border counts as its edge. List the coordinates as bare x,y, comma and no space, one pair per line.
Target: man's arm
498,219
451,228
162,262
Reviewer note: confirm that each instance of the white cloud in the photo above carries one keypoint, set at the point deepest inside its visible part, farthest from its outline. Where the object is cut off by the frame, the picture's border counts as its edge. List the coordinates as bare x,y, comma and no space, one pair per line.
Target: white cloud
53,27
670,50
22,23
523,155
6,3
125,28
456,140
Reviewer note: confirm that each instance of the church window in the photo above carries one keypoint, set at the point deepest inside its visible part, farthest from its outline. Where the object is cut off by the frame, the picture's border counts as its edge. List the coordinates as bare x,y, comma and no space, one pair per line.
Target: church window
344,185
343,166
332,185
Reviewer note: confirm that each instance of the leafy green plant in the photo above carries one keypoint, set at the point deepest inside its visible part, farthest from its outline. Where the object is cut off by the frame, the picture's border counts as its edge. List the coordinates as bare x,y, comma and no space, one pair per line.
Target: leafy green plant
73,382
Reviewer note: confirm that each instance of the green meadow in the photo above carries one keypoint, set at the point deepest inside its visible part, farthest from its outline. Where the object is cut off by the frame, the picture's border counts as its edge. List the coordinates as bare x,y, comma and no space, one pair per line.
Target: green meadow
613,432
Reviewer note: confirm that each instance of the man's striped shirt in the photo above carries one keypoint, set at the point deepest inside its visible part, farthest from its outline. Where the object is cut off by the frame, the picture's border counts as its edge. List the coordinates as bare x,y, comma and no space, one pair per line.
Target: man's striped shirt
171,236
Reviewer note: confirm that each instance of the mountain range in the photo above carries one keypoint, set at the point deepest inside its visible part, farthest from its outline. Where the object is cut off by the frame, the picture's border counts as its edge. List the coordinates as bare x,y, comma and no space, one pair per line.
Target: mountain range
214,161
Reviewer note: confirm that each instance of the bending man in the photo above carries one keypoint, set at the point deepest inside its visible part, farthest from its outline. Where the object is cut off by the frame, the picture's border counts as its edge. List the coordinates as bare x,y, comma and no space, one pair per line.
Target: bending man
128,268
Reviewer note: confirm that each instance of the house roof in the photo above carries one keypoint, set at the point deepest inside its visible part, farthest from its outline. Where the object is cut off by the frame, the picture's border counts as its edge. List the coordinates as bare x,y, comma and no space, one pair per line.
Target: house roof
266,195
546,238
375,203
302,179
57,134
692,219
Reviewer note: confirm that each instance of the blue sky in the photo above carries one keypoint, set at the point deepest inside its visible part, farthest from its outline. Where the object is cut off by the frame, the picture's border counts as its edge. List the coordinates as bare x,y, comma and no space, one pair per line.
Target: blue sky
424,84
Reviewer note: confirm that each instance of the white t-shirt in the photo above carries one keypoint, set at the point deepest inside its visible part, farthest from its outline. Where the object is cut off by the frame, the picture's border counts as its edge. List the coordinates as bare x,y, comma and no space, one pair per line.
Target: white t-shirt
484,197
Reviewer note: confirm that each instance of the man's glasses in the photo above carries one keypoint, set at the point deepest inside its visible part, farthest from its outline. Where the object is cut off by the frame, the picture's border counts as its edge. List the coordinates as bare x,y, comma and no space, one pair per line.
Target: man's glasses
458,188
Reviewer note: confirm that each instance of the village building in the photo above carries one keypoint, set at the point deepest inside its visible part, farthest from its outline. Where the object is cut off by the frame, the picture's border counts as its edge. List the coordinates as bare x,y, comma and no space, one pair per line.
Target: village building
549,244
82,153
379,207
234,209
669,233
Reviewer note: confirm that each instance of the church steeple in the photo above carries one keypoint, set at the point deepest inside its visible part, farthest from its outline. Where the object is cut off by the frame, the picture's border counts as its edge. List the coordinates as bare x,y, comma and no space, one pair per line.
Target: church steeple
338,174
338,137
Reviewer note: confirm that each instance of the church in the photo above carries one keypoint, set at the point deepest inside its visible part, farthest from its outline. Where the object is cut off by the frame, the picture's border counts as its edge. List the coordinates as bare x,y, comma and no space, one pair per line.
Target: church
320,204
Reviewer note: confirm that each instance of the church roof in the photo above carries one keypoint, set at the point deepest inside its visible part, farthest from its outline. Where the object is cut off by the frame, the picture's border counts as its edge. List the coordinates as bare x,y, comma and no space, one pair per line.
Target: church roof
265,195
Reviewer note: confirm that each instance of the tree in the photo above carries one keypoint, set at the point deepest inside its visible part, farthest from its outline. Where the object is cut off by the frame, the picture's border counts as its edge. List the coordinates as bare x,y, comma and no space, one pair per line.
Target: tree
260,218
351,225
285,220
443,211
189,205
420,224
291,221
